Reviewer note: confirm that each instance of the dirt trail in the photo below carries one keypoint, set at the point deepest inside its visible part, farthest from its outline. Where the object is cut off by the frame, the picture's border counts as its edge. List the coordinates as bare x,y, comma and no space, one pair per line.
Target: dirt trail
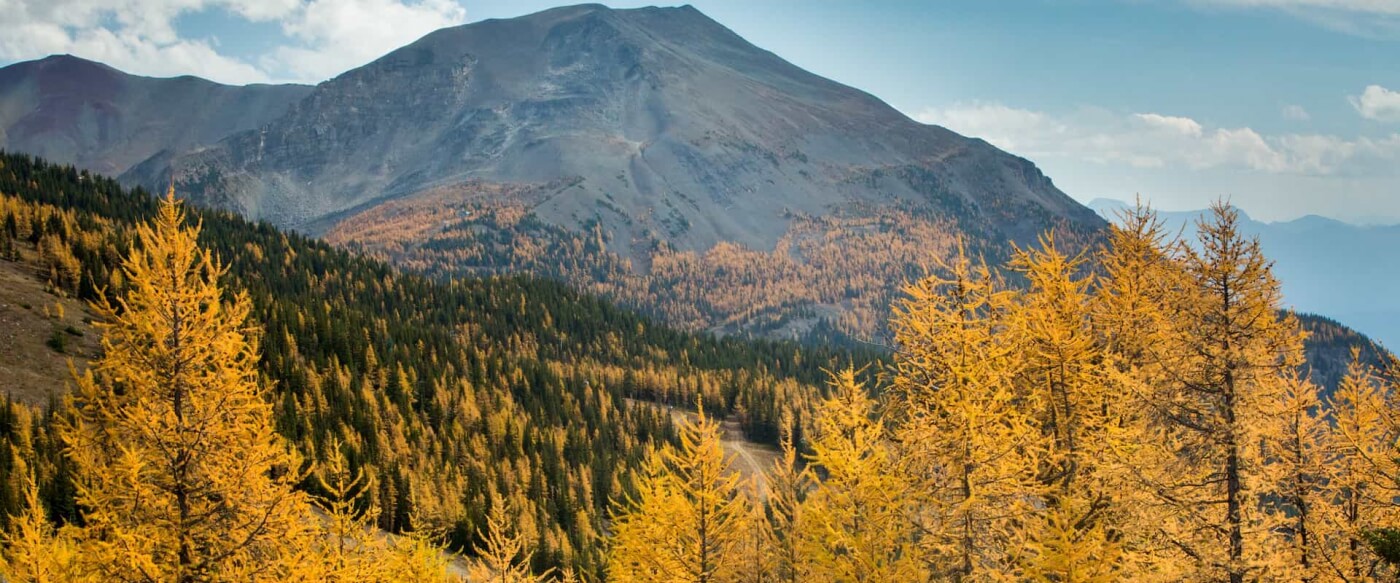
751,460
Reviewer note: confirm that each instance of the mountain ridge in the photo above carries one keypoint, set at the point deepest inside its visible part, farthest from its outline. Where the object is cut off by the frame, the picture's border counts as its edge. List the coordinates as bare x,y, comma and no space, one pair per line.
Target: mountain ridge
661,111
101,119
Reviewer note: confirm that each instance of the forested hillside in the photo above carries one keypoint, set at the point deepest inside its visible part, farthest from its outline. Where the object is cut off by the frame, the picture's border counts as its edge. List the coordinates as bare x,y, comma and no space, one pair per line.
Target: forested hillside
1151,422
1150,419
833,273
1329,347
650,155
445,393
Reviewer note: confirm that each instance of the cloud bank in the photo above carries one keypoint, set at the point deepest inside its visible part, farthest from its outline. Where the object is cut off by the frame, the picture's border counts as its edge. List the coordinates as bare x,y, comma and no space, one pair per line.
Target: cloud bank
322,37
1152,140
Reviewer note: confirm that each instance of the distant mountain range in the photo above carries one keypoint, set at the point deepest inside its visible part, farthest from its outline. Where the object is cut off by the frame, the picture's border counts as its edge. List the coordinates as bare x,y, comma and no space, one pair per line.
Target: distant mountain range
98,118
652,118
1348,272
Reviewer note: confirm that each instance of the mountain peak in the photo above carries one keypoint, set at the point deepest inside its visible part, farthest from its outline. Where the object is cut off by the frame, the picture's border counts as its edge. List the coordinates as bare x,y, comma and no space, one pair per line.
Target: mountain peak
66,58
670,126
65,67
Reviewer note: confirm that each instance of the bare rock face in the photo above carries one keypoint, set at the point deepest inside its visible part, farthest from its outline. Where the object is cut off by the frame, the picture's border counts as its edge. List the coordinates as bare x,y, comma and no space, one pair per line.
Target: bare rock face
656,117
73,111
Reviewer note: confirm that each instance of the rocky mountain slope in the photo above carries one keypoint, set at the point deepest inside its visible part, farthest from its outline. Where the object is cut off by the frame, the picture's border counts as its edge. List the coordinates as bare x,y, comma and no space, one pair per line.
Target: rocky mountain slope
658,123
78,112
651,155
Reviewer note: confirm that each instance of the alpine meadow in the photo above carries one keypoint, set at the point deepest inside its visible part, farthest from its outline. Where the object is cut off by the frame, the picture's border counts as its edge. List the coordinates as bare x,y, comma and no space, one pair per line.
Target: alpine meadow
483,291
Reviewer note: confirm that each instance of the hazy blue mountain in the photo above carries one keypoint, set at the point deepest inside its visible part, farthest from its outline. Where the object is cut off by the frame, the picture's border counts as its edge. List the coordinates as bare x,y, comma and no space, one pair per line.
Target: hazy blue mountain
73,111
1347,272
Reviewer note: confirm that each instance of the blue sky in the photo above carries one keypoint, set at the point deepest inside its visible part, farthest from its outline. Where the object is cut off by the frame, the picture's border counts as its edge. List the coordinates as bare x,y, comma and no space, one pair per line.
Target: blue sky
1286,107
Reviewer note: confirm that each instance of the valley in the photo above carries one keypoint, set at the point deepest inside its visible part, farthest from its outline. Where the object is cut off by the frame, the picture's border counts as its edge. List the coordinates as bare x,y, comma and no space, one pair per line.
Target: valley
533,294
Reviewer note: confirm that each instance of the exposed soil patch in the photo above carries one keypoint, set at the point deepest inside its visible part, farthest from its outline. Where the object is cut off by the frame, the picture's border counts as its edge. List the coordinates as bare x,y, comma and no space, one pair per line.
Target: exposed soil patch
36,344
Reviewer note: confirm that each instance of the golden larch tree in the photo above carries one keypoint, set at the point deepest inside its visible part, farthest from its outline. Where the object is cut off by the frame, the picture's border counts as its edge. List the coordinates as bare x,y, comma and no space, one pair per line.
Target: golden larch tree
1064,383
354,549
788,485
505,555
1133,294
1362,480
1223,373
1297,473
180,475
636,551
755,555
856,524
417,555
967,448
687,517
1141,279
34,551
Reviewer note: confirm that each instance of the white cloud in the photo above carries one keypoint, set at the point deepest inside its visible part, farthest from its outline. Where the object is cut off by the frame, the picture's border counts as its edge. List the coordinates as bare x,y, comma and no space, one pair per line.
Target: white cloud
340,34
1006,127
1294,113
1181,125
1152,140
323,37
128,34
1378,103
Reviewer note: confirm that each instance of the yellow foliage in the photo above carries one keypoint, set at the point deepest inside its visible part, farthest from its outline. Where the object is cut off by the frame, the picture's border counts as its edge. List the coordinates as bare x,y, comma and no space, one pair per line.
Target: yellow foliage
968,447
34,551
1298,470
855,526
506,555
1364,480
1062,547
352,549
180,473
687,517
1225,367
788,485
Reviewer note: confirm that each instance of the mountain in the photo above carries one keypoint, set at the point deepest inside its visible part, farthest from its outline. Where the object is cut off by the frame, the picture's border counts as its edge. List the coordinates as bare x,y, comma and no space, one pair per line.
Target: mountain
661,112
1328,350
630,152
1328,267
75,111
